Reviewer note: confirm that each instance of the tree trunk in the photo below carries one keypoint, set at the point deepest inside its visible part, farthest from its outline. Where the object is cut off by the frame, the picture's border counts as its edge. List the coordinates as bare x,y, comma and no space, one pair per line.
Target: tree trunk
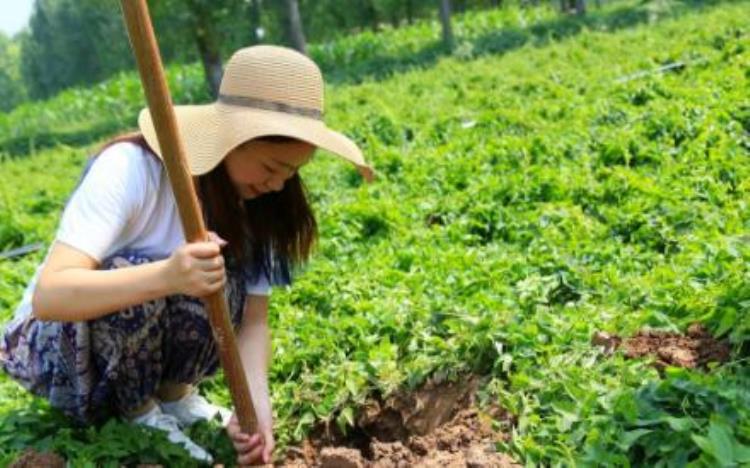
580,7
445,19
373,15
208,45
255,14
295,32
208,48
409,12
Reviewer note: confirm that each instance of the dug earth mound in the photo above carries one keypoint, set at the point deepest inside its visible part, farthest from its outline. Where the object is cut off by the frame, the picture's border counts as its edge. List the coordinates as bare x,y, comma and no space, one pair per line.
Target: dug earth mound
33,459
695,349
438,425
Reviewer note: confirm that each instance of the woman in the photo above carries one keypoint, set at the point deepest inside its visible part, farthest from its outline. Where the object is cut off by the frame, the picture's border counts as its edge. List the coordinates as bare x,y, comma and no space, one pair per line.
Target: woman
112,323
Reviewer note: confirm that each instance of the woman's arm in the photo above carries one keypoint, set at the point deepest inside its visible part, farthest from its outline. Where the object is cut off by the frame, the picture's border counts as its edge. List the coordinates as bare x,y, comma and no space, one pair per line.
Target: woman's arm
70,288
255,350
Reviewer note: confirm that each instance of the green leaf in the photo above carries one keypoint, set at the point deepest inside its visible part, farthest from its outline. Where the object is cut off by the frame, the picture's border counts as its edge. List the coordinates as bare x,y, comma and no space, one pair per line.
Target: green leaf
345,419
722,442
704,444
630,437
742,453
679,424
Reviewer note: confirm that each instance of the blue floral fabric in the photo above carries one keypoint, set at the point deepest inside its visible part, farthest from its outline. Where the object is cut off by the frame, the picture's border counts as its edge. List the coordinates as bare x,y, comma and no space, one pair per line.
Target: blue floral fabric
94,369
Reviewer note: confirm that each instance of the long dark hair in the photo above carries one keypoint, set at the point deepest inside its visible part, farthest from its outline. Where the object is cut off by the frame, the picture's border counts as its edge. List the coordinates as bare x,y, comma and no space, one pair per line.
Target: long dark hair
271,234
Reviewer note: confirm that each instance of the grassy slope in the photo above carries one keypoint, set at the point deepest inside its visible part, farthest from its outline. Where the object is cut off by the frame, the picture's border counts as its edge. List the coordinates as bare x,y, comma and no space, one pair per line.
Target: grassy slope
560,201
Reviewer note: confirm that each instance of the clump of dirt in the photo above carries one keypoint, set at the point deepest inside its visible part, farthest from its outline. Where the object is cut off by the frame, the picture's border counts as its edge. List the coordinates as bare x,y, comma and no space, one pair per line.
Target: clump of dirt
438,425
33,459
695,349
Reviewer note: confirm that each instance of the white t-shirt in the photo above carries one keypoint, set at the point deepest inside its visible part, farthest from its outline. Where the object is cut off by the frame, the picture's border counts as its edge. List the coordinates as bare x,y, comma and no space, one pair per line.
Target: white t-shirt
124,202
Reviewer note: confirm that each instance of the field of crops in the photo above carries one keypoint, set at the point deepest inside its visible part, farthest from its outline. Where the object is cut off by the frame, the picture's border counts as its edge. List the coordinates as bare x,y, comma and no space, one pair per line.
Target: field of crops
542,183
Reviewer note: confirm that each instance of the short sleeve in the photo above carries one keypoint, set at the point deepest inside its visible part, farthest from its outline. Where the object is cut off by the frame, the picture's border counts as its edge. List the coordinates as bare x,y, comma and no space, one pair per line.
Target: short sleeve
109,195
259,287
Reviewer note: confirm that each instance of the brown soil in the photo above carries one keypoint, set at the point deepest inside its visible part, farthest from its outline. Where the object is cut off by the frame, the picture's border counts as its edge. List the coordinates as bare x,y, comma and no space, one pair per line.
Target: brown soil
435,426
695,349
33,459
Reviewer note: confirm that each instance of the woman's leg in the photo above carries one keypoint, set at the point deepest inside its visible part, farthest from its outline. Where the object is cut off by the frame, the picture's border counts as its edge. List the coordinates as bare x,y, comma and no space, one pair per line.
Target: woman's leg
141,410
190,353
129,351
172,391
127,347
161,348
190,356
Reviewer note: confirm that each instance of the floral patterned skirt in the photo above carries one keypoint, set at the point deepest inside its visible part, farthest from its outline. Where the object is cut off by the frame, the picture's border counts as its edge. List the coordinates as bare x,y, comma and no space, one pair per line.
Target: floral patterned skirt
111,365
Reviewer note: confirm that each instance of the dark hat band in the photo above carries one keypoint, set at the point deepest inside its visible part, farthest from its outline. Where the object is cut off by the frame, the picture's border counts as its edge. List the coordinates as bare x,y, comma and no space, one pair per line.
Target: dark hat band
246,101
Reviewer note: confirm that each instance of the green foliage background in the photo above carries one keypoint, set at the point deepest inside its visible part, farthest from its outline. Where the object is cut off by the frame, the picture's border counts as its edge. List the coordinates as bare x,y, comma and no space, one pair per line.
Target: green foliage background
533,189
12,91
82,42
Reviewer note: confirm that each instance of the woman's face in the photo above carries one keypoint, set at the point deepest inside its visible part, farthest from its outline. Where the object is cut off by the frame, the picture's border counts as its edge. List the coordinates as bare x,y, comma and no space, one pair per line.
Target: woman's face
257,167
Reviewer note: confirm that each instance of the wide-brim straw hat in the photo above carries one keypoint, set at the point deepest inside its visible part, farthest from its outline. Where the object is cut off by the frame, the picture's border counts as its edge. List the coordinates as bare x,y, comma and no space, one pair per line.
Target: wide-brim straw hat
265,91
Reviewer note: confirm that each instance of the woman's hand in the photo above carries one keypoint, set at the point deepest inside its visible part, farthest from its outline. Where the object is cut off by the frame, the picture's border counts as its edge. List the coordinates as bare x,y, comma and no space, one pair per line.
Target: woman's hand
252,449
197,268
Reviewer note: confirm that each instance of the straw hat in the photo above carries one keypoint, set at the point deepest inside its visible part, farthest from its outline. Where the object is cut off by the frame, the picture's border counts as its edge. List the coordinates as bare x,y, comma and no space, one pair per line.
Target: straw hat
266,90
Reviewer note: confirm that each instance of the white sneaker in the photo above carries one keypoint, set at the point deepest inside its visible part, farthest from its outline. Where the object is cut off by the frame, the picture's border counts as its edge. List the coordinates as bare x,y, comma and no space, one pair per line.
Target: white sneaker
192,408
165,422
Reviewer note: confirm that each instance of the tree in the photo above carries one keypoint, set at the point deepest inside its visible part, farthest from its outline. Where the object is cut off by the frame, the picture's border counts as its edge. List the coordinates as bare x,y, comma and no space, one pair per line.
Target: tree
210,25
371,15
12,90
295,33
445,20
409,5
255,15
207,40
579,6
80,42
390,9
72,42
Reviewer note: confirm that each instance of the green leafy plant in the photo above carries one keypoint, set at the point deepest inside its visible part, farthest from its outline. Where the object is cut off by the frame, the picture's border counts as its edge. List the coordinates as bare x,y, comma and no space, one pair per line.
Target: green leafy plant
542,185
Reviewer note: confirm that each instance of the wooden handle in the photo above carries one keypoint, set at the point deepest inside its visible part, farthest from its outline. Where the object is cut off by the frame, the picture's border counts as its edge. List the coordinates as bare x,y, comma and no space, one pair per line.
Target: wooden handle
147,56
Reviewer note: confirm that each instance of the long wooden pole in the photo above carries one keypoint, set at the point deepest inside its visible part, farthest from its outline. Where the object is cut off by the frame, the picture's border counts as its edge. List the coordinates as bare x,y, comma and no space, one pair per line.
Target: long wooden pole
147,56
